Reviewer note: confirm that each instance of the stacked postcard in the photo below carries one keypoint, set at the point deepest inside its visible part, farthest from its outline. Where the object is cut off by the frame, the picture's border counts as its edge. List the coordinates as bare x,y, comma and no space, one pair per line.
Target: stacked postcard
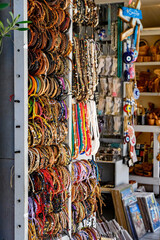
137,212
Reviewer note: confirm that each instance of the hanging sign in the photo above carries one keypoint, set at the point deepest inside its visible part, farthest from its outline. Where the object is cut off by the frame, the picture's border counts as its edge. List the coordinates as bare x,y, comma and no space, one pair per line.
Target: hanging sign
132,12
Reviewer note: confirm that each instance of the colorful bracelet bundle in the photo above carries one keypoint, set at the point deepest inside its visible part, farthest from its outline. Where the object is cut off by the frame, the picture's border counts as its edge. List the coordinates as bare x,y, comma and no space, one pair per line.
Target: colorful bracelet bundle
85,190
47,156
81,136
54,224
48,87
88,233
85,78
48,191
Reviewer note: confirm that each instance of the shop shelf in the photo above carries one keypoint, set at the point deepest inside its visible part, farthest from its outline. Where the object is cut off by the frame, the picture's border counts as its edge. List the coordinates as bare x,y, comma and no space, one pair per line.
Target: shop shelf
150,31
146,128
145,180
139,64
100,161
106,190
152,94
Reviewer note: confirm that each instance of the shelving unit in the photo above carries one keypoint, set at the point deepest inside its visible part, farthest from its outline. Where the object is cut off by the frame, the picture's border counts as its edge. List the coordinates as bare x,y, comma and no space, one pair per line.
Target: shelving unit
149,94
151,35
150,31
147,128
137,64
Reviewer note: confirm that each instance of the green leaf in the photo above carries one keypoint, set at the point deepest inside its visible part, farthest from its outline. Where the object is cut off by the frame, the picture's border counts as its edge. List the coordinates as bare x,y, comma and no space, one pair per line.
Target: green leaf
16,18
8,35
11,15
23,29
1,25
21,22
14,28
3,5
9,23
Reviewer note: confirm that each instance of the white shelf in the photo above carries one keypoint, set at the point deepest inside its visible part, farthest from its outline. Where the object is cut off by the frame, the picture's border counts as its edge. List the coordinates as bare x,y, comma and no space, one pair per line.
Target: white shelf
150,31
147,94
106,190
145,180
105,238
139,64
146,128
100,161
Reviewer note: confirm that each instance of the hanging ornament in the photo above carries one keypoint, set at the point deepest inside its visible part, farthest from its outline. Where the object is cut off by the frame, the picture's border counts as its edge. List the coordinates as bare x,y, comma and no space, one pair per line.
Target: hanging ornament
127,138
127,56
134,55
127,108
132,16
132,72
133,141
126,76
136,92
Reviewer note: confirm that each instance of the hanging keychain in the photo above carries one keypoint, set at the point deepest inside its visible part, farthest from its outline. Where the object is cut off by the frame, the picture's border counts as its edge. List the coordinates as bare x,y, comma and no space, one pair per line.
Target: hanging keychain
126,136
127,56
136,92
127,74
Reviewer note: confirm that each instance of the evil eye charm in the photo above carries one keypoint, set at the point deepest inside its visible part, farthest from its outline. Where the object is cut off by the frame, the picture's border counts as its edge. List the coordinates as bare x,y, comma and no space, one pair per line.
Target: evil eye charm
127,108
127,138
136,93
126,75
127,57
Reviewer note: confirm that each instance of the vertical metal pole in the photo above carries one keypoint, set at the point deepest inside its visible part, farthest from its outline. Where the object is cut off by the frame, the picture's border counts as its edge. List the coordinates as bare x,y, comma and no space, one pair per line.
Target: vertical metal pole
21,125
70,114
155,162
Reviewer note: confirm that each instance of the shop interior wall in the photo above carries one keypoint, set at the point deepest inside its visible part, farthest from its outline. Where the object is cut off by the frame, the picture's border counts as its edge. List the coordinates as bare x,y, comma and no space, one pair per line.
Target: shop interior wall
6,134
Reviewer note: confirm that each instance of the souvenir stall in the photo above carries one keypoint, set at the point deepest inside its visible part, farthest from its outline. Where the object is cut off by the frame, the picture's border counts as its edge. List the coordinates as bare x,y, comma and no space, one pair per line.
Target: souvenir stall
75,109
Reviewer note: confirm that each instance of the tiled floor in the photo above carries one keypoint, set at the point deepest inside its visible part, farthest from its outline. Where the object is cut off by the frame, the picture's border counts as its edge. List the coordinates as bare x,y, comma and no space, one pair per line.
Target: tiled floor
152,236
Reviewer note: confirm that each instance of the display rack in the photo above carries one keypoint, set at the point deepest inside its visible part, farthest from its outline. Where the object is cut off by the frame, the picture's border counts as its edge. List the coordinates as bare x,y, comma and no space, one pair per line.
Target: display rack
21,125
111,170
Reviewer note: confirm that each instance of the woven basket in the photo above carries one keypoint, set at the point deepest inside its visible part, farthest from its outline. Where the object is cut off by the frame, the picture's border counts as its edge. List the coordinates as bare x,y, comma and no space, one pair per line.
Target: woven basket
140,59
157,57
147,58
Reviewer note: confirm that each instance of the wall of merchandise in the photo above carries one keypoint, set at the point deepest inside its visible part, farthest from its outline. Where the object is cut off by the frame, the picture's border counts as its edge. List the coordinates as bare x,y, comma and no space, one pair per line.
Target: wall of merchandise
61,196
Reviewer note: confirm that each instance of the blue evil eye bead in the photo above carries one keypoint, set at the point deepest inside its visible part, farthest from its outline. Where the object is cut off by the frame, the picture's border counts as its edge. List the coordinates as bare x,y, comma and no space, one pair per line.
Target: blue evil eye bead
127,138
126,76
136,93
127,57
